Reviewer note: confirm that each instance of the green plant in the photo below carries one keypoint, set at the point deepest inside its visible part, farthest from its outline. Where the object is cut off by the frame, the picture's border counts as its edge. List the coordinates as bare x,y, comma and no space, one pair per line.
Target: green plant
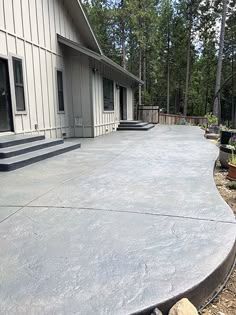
232,185
232,159
223,128
183,121
232,142
212,120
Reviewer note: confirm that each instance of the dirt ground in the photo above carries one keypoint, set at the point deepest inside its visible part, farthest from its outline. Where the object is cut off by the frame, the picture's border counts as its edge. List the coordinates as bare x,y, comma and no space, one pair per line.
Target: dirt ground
225,303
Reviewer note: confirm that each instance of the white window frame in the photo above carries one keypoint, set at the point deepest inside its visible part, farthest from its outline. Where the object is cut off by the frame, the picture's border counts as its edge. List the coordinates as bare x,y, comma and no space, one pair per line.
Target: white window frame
12,82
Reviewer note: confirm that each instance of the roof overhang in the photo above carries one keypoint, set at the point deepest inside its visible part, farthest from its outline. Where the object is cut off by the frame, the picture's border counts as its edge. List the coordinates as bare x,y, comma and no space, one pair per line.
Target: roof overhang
78,47
117,67
100,57
80,19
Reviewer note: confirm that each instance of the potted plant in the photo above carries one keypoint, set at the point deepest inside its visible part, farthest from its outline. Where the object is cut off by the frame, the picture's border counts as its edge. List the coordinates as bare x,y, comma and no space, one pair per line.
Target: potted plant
226,151
232,161
213,127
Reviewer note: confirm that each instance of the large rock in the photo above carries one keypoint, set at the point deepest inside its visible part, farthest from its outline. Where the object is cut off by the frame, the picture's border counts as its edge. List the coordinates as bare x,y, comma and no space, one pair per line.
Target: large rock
183,307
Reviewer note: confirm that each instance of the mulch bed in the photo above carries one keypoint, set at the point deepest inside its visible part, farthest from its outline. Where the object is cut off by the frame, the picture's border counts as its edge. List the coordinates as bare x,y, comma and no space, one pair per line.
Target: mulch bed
225,303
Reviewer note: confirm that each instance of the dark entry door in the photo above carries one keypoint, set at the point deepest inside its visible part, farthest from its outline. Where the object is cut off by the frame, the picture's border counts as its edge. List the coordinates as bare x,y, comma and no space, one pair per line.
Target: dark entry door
6,123
123,103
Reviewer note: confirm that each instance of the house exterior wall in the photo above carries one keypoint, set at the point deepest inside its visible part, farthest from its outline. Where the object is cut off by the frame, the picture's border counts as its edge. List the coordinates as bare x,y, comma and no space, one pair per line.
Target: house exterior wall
107,121
29,30
79,89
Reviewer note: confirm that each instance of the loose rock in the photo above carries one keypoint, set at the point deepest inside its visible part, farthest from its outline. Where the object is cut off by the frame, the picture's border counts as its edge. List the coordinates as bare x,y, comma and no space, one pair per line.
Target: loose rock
183,307
156,312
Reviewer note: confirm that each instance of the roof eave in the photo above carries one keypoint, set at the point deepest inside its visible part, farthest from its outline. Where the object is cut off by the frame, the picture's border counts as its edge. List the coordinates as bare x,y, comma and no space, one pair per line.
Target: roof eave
114,65
100,57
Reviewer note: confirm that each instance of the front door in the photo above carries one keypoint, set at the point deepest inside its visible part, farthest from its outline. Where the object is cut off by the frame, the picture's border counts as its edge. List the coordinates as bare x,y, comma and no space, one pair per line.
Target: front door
123,103
6,123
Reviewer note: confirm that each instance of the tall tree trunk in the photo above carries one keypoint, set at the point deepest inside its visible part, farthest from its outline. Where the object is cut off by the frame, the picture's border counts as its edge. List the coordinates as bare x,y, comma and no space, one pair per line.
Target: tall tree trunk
168,88
217,105
123,47
207,87
144,71
175,109
140,78
123,37
188,60
168,64
233,103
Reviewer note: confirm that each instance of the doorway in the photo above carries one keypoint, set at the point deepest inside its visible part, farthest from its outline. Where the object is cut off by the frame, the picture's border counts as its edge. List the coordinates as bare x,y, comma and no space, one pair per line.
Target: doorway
123,103
6,120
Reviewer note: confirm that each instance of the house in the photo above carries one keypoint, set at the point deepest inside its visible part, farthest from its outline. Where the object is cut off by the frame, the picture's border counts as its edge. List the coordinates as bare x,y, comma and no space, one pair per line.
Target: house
54,78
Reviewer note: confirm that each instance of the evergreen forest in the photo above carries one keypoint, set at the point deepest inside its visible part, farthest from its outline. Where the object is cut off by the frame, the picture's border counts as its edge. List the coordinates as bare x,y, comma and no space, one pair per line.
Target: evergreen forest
184,51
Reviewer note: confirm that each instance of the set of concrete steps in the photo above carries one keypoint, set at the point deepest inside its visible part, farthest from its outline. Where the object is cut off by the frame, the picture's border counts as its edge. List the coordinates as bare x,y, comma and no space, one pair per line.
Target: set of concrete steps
17,151
134,125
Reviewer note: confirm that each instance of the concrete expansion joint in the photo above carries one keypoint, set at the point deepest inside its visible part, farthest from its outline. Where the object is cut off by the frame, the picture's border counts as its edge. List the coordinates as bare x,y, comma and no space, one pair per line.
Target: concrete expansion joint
122,212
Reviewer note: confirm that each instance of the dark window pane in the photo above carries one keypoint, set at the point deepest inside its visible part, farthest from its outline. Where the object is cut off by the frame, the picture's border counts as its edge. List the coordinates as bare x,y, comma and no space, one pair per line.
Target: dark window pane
20,98
60,91
61,101
18,71
108,94
19,84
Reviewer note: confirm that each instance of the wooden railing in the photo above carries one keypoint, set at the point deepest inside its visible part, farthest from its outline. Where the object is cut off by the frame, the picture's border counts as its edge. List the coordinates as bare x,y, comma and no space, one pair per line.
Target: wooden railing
168,119
148,113
152,114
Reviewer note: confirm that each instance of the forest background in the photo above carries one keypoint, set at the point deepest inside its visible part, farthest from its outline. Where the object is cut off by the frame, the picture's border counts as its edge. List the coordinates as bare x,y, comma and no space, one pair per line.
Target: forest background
173,46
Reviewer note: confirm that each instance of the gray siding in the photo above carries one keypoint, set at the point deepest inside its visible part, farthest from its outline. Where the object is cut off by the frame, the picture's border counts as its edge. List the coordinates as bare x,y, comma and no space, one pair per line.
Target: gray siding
28,30
81,95
106,122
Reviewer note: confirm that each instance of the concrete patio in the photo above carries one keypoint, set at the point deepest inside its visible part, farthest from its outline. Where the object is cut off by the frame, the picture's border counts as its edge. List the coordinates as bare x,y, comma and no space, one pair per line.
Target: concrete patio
130,221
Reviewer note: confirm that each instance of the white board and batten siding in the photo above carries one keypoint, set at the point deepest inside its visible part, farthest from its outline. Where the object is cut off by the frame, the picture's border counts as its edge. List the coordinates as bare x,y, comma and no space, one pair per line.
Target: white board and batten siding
108,121
28,30
79,90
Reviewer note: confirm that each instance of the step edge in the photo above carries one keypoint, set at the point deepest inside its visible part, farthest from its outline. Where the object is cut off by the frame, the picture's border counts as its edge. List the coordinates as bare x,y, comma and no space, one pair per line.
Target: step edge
33,148
16,165
16,142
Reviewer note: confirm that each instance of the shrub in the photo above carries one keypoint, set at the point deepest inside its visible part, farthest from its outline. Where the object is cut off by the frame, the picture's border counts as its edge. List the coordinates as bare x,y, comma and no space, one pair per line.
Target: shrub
212,120
232,185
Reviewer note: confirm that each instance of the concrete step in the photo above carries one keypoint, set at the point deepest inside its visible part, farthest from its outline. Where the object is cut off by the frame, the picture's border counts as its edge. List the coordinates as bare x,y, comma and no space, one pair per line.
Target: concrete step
141,124
145,128
13,140
16,162
129,122
19,149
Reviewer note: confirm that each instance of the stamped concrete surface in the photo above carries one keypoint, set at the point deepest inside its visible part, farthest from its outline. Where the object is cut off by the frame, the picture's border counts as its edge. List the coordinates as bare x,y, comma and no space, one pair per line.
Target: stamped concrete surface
127,222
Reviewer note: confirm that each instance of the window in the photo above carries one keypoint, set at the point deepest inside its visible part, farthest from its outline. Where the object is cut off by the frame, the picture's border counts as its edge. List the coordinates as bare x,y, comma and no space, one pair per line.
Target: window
60,91
19,84
108,94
